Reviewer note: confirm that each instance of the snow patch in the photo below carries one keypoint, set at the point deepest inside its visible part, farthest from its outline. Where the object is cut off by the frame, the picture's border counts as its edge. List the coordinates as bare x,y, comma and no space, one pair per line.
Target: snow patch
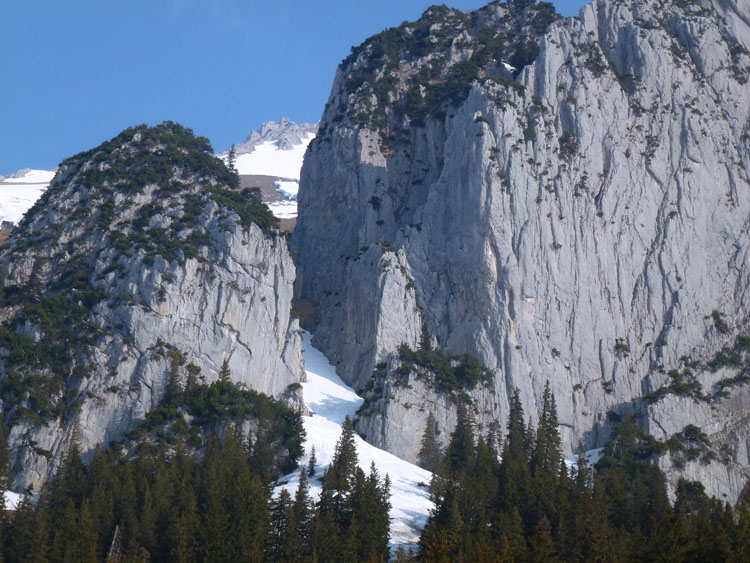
28,176
283,209
269,160
19,192
330,400
592,457
287,188
12,500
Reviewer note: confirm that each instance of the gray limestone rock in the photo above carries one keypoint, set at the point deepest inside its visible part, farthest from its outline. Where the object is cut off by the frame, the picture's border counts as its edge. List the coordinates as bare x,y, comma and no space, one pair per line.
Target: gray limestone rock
579,226
223,295
284,133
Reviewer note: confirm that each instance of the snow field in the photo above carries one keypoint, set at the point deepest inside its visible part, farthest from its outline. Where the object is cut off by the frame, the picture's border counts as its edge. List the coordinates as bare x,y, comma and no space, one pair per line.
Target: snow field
268,160
28,176
288,189
330,400
19,192
283,209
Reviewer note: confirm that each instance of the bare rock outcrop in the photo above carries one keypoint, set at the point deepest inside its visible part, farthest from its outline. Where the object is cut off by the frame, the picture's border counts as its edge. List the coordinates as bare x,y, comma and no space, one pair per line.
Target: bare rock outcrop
144,264
582,220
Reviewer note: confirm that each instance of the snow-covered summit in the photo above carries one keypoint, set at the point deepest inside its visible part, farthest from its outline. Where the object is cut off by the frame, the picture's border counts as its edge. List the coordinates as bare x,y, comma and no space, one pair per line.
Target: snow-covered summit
276,149
284,135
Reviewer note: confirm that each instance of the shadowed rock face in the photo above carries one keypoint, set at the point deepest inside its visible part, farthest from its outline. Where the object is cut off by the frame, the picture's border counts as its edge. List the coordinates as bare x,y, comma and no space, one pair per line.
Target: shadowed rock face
583,220
139,261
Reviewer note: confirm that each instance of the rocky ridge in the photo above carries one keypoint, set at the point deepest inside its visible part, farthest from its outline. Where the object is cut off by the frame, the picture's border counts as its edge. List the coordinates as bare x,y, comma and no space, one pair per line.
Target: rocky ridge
582,220
285,134
146,236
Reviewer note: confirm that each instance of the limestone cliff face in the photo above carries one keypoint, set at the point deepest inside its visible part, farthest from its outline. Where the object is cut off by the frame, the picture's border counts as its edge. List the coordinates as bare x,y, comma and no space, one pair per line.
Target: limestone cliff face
582,219
142,259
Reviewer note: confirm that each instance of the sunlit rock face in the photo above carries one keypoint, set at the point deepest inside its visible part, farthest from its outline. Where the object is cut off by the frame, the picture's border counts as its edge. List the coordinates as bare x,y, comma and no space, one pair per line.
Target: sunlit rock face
581,219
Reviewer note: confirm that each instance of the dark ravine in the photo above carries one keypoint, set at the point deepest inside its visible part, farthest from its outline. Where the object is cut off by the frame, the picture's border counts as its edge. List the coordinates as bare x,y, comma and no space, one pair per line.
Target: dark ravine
144,251
582,219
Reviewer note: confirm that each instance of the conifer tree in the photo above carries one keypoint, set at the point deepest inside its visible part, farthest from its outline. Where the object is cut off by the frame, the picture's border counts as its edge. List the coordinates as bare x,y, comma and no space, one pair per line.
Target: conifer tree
515,486
20,539
231,159
303,514
312,462
547,451
741,551
460,451
512,535
429,452
542,545
225,374
339,475
425,340
280,512
4,481
185,529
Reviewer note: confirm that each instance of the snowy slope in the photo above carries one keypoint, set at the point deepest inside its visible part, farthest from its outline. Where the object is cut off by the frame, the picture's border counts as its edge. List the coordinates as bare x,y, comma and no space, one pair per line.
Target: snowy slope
268,159
330,401
277,149
19,192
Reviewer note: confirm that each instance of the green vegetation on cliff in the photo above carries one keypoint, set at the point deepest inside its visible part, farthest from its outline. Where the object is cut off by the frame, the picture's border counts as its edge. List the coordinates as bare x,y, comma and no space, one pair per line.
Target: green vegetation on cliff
147,193
480,40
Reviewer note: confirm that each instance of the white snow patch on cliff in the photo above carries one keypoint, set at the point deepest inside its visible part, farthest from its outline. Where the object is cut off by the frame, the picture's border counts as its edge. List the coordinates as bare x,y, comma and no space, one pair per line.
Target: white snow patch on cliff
330,400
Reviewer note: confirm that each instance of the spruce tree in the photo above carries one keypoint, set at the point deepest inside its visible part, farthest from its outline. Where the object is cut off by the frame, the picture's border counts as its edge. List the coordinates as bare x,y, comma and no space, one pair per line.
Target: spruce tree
185,528
542,545
547,451
231,159
429,452
303,514
225,374
277,533
741,551
461,447
339,475
425,340
515,485
312,462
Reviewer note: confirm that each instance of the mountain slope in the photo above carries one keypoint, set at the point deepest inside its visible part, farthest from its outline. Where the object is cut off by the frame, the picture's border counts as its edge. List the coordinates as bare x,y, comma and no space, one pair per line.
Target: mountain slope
582,220
144,263
330,401
271,158
19,192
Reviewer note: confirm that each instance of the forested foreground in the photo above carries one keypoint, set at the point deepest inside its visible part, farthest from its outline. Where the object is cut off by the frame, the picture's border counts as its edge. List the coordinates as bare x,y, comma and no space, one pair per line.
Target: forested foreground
495,500
525,505
213,507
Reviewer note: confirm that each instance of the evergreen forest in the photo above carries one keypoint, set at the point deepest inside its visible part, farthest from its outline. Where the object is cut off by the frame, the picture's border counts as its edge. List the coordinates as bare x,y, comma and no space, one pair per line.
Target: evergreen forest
171,504
496,500
516,500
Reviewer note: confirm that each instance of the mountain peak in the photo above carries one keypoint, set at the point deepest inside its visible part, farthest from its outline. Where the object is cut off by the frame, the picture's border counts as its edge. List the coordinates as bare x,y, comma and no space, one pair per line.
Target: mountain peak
285,133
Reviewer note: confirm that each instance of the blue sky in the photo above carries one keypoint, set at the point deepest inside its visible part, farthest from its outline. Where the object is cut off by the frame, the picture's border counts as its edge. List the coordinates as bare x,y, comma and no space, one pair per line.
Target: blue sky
77,72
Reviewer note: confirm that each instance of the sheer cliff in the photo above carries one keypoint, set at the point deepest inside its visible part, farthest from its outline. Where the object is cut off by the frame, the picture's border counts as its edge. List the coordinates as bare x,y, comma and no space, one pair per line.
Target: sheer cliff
565,199
144,265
